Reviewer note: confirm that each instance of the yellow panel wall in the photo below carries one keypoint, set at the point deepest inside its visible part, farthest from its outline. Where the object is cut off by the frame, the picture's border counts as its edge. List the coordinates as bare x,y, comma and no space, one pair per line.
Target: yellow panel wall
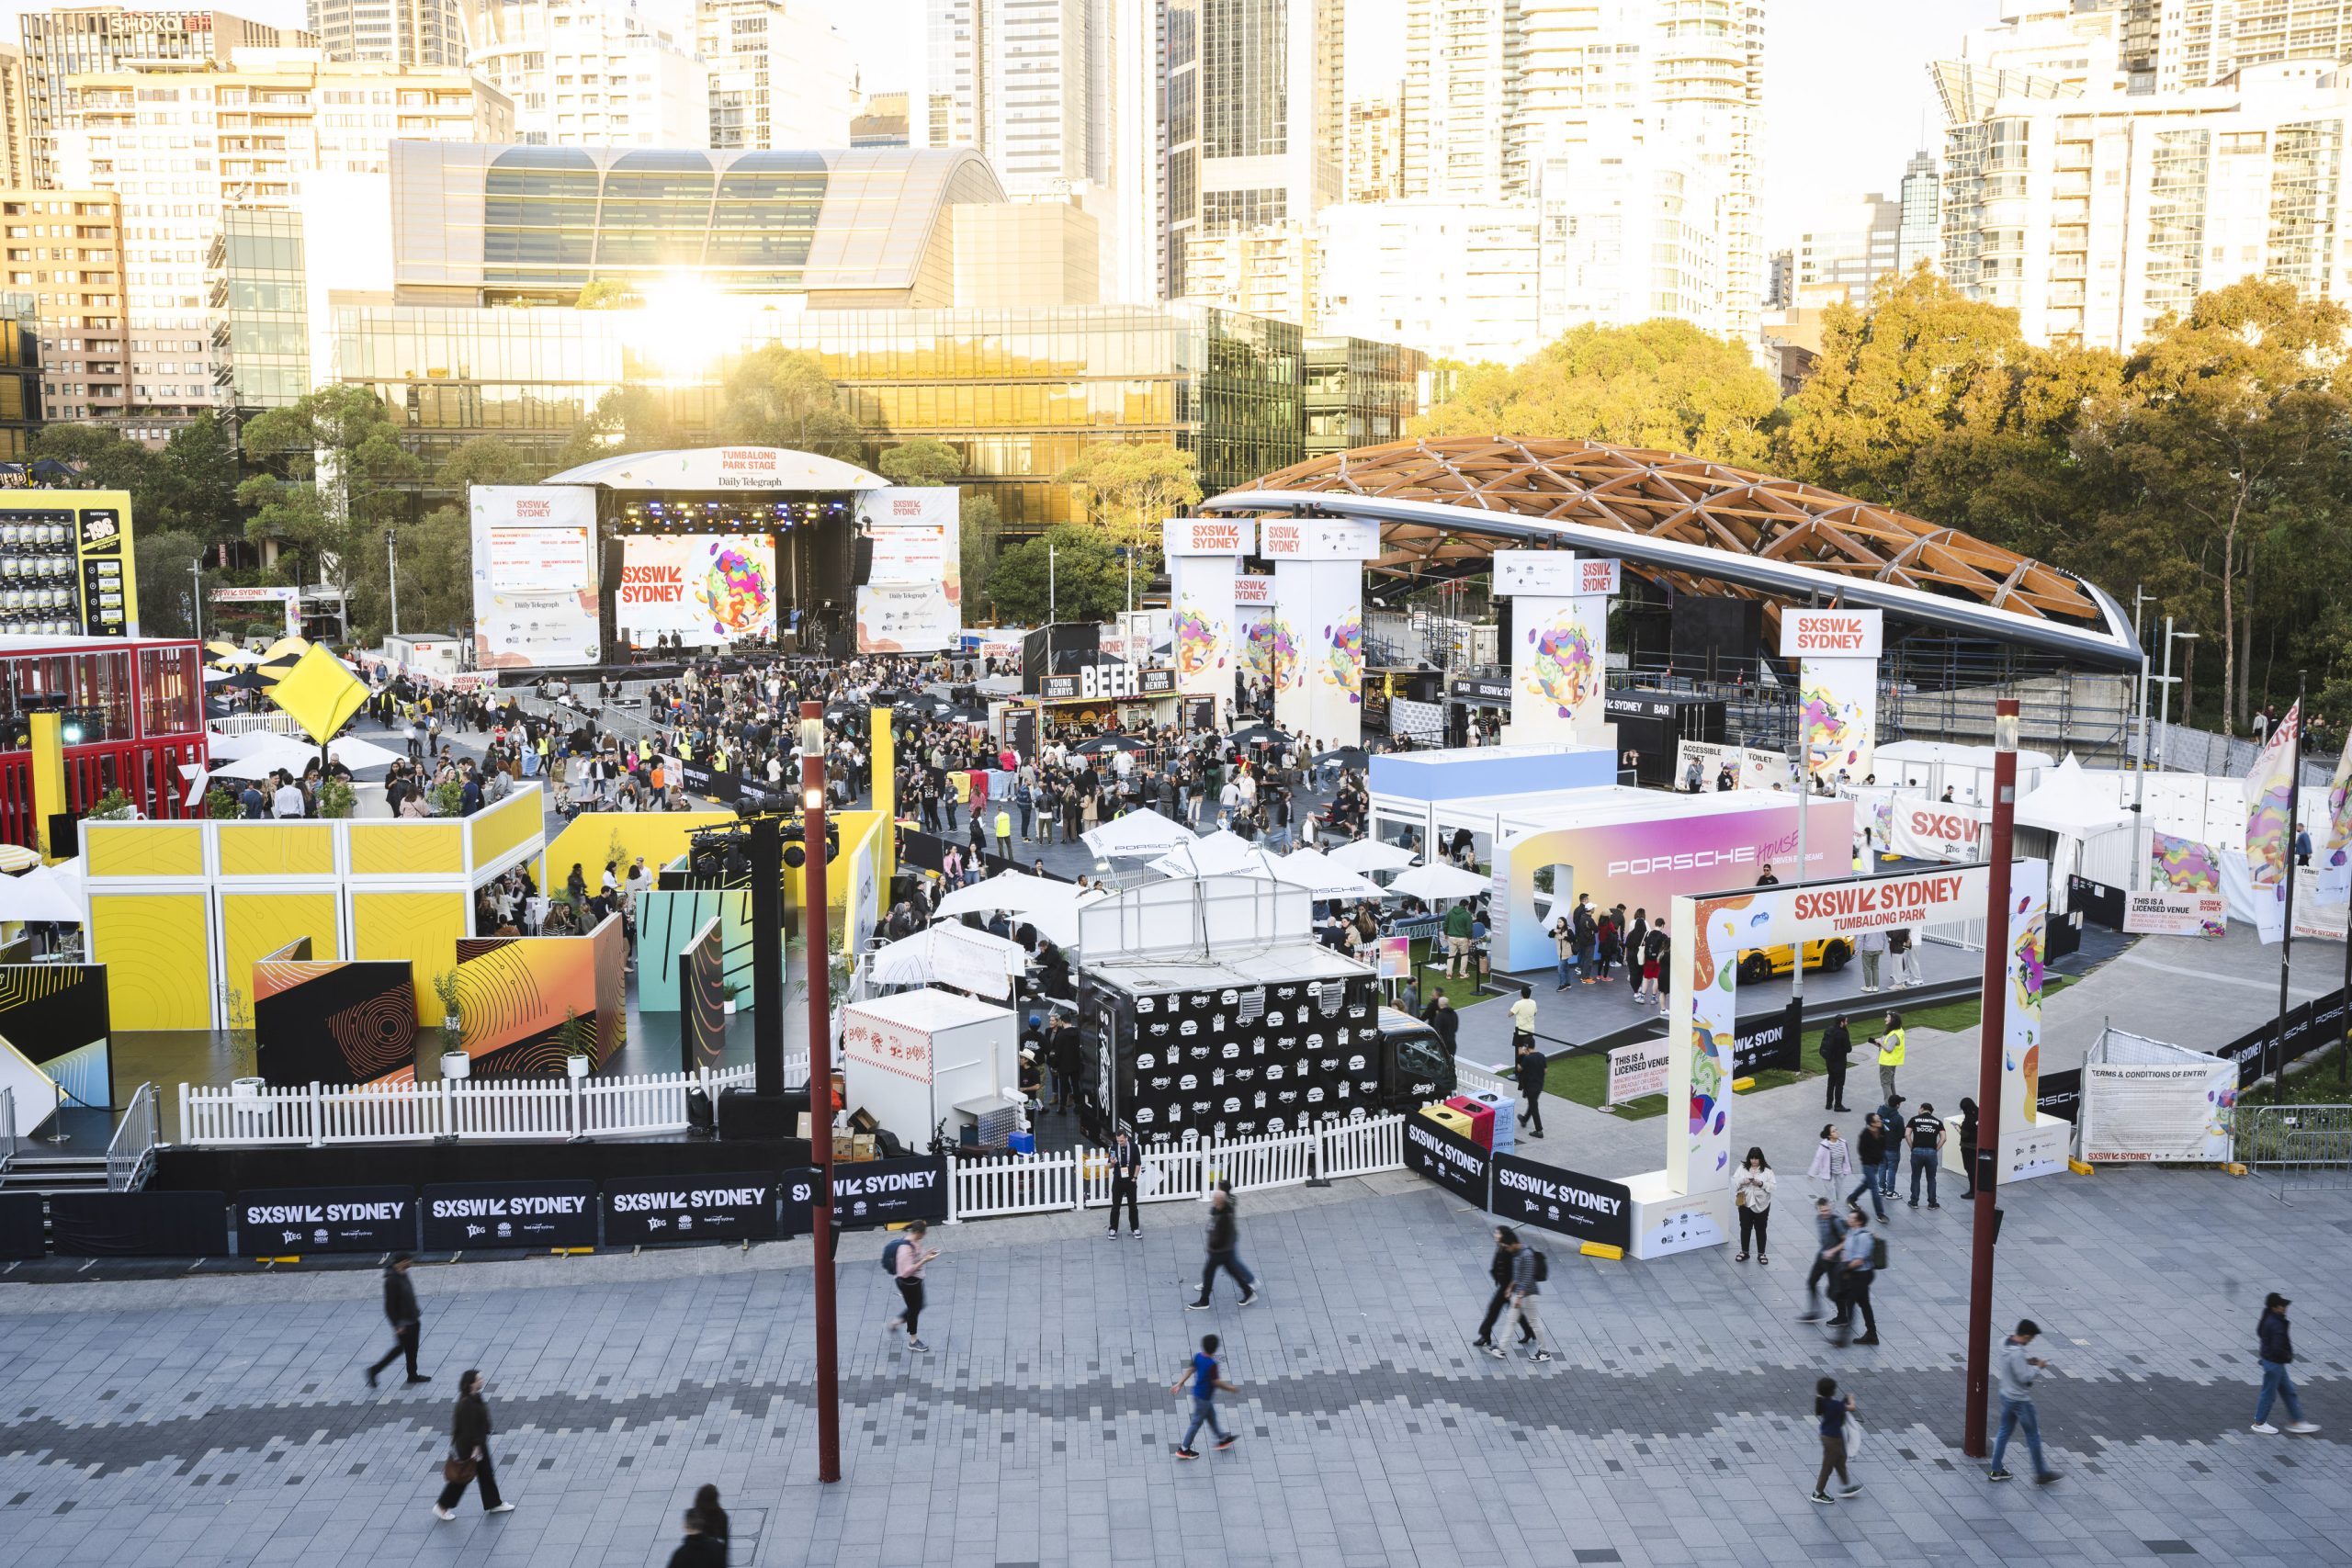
159,970
589,839
277,849
145,849
422,928
506,825
255,925
407,849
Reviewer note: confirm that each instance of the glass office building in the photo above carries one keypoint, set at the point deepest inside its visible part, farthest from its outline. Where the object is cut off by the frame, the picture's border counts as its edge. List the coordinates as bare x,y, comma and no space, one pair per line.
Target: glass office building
1359,393
1018,393
260,309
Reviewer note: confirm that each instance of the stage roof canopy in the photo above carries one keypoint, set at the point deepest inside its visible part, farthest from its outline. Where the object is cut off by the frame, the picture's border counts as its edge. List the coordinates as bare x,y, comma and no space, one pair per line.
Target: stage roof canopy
722,467
1699,527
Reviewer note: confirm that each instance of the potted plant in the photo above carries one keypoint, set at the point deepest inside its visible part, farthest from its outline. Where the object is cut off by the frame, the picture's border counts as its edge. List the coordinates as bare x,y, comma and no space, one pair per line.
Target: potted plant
335,798
222,806
578,1037
448,799
728,990
112,807
455,1063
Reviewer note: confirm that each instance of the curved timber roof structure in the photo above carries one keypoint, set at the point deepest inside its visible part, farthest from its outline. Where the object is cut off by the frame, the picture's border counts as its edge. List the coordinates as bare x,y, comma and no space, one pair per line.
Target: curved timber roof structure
1696,526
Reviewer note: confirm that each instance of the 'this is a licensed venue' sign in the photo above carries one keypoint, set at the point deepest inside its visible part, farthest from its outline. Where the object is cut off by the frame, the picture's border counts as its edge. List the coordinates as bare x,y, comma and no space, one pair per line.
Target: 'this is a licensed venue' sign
296,1219
2174,914
735,1206
1831,634
1637,1070
509,1214
1580,1206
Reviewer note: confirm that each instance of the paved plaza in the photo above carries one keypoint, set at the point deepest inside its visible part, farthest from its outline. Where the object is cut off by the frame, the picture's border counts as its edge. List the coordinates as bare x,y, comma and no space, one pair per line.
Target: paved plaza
212,1421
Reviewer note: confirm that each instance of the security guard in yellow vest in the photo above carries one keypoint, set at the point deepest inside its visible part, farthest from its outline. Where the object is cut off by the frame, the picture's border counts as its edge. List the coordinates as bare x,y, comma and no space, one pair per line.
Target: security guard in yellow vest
1890,1055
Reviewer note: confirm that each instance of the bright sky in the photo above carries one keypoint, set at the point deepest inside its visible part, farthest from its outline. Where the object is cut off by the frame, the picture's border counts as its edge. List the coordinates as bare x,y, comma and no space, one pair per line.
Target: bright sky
1846,84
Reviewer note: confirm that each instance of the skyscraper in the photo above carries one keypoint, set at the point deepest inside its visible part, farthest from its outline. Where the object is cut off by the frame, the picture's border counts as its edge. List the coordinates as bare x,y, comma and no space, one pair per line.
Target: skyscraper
2206,42
1463,73
1843,248
81,39
781,75
1921,237
595,72
398,33
1254,129
1376,161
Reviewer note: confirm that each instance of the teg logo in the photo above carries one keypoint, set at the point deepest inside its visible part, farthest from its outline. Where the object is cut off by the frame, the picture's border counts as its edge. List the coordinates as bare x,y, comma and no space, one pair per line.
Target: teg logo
1694,859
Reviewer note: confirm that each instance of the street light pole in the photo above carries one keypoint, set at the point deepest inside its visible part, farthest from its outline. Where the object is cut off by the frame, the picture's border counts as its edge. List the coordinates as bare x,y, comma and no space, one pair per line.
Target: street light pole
392,579
1049,583
817,950
1988,1077
196,600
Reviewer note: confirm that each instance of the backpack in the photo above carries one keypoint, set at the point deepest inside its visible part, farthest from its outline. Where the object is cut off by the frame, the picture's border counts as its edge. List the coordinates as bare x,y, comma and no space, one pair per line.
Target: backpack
1543,1269
891,1254
1878,1254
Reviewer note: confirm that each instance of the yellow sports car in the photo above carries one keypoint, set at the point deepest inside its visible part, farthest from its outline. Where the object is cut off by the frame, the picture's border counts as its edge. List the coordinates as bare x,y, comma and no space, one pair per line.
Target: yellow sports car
1822,952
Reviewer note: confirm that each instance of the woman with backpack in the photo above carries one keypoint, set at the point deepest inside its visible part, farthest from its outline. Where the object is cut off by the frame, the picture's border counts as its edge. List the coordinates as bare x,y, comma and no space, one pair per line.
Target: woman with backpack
903,1258
1528,1271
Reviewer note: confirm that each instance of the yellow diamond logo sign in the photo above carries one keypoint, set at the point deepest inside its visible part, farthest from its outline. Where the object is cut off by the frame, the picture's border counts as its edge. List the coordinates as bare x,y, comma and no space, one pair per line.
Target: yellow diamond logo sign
321,692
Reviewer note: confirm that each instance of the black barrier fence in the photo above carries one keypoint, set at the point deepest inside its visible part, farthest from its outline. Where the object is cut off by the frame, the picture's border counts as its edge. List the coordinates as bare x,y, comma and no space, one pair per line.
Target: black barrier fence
20,1227
138,1224
2059,1094
297,1220
1583,1208
2095,901
651,1209
1449,1159
463,1215
2268,1049
890,1191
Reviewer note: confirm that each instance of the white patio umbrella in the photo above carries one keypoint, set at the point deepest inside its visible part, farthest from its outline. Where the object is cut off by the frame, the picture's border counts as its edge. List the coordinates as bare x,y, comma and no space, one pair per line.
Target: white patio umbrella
1051,907
247,760
1137,835
1367,855
1435,882
1312,869
954,954
41,894
1219,854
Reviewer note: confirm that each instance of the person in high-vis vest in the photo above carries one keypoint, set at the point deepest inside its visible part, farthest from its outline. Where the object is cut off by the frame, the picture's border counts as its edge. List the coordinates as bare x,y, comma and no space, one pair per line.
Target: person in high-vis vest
1890,1054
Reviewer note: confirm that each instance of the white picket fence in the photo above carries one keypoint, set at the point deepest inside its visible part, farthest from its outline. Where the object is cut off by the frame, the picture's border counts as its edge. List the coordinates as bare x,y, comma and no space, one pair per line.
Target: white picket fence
1469,1078
1080,1179
492,1108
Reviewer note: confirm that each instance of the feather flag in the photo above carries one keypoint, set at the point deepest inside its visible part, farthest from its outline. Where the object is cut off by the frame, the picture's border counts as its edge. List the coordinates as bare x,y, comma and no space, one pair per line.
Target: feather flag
2270,800
2333,884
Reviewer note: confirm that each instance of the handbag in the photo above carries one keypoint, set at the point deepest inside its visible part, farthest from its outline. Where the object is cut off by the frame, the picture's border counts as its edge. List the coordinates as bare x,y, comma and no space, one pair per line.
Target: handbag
458,1471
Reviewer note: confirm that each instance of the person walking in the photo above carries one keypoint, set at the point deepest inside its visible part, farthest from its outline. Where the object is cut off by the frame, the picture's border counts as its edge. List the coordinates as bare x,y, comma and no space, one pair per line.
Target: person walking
2275,1338
1872,945
1126,1170
1832,1411
1890,1164
1457,940
1890,1054
1224,1251
1447,1022
469,1452
1003,834
1857,1264
1530,1064
1833,1161
1498,1271
408,1322
1522,1021
907,1257
1829,1246
713,1517
1207,1377
1523,1290
1837,1050
2017,1368
1871,1145
1925,1134
1968,1144
1751,1194
700,1549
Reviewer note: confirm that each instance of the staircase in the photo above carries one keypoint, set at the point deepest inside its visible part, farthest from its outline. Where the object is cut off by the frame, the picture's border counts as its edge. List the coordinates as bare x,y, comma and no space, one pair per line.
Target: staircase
50,1174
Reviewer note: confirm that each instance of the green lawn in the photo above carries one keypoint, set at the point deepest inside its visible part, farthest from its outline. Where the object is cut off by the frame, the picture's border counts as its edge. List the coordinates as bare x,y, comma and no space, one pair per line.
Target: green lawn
1432,980
1584,1077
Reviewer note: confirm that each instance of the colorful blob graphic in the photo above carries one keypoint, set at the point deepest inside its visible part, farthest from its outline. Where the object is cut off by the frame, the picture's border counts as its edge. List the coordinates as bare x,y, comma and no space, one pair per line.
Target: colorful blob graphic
1257,650
2265,839
2186,866
1715,967
737,594
1345,667
1199,646
1283,646
1836,731
1561,668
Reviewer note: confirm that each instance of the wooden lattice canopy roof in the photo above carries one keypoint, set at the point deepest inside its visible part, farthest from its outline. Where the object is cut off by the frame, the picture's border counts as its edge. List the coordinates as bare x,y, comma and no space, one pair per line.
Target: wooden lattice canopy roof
1696,526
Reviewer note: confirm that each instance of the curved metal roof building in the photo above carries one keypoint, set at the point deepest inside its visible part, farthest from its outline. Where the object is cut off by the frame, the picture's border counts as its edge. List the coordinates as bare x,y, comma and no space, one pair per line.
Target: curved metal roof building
1697,527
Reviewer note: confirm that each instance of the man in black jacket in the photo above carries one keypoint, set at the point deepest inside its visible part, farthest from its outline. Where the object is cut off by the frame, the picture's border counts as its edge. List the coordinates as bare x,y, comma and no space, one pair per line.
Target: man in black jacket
1447,1022
1065,1055
400,1308
1836,1049
1127,1165
699,1549
1498,1271
1224,1243
2276,1342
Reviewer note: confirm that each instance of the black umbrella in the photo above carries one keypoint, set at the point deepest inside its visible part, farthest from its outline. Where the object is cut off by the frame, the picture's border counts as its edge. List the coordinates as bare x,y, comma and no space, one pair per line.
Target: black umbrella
1258,734
247,680
1346,756
1103,743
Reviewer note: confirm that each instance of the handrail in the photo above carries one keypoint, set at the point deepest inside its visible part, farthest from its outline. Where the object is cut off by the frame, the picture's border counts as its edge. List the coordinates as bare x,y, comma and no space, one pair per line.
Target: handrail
7,1127
134,1141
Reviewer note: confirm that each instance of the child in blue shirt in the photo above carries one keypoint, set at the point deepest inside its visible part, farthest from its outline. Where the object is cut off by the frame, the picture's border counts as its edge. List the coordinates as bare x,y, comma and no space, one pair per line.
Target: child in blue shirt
1206,1378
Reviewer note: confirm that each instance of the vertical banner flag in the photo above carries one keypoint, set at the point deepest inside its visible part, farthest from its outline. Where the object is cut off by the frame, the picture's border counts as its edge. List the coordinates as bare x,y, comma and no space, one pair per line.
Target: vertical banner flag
1559,652
2334,880
2270,799
2021,1033
1318,590
1201,553
1837,652
1705,1003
